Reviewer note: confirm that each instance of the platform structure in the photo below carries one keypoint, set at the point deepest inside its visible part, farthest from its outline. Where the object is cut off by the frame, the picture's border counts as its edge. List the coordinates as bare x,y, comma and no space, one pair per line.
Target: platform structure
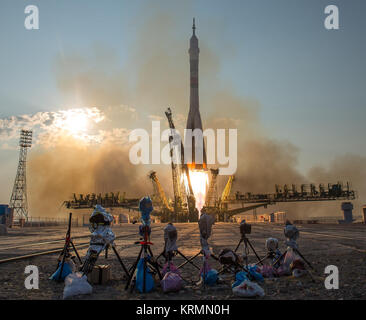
307,193
248,201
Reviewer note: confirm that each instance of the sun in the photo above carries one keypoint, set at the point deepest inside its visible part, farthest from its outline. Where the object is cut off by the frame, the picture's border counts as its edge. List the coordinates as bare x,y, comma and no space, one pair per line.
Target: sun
74,122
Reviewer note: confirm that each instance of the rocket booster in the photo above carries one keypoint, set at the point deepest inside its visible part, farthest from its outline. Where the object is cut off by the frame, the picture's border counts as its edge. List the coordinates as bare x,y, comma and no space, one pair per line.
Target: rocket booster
194,145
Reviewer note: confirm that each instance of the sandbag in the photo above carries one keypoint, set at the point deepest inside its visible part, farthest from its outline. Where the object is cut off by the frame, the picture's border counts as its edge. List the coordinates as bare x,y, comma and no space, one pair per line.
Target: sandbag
76,284
171,282
248,289
210,277
149,280
298,268
169,266
268,271
68,268
285,267
254,273
239,278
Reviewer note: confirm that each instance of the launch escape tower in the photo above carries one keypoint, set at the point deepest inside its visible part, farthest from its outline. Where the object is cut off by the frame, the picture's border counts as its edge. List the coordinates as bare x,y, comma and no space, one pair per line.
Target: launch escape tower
18,200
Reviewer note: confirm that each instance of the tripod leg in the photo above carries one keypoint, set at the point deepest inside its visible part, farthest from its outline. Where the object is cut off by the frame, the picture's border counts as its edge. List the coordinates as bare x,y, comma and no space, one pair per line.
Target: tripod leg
158,257
263,259
63,260
204,271
222,270
155,264
120,261
189,260
237,247
259,259
214,257
66,247
76,252
299,253
238,265
246,252
133,269
144,274
279,259
185,258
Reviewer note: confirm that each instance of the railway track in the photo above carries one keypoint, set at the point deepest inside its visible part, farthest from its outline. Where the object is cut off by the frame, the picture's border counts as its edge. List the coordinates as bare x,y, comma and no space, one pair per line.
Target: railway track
57,250
33,244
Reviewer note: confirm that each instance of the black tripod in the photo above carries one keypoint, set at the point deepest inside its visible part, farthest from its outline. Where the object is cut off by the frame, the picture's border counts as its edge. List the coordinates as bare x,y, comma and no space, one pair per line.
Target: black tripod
145,251
228,267
66,250
246,242
190,260
270,255
205,262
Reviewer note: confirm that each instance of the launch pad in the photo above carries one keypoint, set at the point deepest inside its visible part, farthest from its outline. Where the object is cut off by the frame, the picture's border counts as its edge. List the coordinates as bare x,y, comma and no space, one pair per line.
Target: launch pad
174,211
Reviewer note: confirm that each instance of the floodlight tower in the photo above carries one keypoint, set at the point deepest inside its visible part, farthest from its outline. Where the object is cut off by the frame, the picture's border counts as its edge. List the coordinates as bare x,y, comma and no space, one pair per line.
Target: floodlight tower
18,200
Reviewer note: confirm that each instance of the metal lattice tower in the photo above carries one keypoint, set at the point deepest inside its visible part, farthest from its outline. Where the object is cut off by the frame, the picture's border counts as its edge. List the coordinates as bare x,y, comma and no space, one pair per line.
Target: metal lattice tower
18,200
211,198
158,191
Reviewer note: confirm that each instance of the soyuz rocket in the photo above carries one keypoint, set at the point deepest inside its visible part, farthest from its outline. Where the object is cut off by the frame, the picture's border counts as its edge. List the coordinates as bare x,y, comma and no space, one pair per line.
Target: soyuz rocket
198,160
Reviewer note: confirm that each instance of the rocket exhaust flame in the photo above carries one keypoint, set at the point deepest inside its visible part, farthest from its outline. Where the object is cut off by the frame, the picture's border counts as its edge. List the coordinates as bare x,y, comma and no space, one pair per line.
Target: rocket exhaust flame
199,182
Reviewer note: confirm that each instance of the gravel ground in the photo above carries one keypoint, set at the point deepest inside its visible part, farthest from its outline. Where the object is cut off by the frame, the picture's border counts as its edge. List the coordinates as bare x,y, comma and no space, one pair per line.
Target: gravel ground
322,245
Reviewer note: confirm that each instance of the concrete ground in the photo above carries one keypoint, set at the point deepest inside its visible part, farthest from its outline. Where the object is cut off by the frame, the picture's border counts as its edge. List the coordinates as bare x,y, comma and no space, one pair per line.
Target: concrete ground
341,245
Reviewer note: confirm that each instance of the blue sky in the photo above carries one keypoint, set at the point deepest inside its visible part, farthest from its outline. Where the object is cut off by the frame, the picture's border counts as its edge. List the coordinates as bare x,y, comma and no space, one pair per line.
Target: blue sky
310,82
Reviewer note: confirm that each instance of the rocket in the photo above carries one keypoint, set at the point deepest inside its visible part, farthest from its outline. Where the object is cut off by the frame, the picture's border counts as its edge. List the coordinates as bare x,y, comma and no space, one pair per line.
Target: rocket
198,159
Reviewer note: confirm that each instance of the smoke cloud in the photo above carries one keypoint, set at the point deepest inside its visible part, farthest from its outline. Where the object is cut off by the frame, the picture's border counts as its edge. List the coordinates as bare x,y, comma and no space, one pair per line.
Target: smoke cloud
71,167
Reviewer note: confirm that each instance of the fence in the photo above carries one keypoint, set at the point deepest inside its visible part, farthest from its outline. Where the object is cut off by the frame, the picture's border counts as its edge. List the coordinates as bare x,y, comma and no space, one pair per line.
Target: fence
49,222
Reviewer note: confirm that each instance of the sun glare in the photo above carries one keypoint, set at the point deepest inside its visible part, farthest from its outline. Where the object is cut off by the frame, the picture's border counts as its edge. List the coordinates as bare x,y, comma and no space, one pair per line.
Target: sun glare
76,122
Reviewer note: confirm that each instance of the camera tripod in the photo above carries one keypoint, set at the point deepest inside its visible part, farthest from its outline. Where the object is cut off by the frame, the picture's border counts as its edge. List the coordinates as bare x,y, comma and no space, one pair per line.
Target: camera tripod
227,267
247,245
66,250
270,255
145,251
205,262
296,251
